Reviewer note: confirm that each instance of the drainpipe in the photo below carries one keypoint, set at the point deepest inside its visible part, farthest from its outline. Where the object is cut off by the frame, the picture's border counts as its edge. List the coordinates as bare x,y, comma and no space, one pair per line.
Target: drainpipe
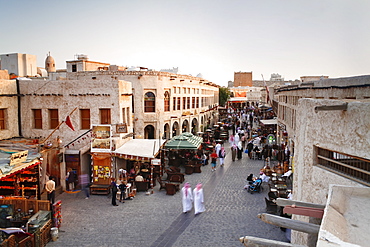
19,109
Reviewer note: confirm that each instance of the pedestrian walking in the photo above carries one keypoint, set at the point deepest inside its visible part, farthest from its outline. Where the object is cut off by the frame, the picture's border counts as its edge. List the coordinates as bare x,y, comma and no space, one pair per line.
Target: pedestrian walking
84,181
250,149
122,188
205,159
187,198
218,148
214,157
244,140
71,179
233,152
221,156
198,199
240,150
114,189
50,189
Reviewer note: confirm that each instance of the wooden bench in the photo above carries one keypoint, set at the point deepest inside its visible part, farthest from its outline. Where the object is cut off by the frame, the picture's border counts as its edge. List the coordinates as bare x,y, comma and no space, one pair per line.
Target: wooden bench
99,189
142,185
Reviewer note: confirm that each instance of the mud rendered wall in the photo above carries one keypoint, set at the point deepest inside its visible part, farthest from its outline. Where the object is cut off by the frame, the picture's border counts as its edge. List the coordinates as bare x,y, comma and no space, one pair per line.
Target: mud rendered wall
342,131
9,105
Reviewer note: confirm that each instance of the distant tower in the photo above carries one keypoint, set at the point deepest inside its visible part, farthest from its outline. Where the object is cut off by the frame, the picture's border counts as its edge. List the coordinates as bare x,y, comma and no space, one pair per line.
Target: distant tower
50,64
242,79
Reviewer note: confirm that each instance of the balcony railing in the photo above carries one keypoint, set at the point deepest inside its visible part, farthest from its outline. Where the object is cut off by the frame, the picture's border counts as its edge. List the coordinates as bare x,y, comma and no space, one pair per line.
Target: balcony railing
351,167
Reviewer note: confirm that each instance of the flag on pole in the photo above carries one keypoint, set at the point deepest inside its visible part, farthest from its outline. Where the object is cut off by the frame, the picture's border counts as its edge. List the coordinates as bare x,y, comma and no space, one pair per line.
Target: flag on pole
267,90
69,123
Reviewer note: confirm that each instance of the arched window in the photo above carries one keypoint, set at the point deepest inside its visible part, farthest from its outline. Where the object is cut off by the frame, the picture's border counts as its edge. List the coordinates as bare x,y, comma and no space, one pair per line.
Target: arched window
166,101
149,102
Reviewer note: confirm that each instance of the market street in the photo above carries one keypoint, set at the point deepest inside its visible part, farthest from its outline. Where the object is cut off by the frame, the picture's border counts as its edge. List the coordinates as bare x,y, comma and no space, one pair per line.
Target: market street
157,219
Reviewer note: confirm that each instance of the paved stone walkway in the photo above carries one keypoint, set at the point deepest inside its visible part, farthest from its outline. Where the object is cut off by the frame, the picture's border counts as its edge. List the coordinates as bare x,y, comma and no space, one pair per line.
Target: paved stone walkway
157,220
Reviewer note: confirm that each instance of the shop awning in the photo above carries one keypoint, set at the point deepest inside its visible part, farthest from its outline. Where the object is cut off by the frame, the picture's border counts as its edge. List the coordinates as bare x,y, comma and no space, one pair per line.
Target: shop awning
269,121
238,99
184,141
18,168
13,159
139,149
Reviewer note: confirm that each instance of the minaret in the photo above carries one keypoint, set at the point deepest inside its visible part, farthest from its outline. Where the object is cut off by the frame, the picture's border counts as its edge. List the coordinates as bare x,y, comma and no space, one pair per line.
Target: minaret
50,64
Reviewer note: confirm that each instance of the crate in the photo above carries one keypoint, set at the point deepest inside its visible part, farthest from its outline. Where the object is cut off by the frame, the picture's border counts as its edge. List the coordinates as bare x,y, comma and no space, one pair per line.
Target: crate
42,235
27,242
10,242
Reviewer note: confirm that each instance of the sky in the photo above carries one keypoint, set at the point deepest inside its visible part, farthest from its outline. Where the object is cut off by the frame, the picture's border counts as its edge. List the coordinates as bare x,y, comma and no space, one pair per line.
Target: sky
216,38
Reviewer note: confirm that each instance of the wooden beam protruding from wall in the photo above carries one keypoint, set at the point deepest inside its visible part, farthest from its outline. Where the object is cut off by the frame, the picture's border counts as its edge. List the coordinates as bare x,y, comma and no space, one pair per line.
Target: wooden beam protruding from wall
250,241
289,223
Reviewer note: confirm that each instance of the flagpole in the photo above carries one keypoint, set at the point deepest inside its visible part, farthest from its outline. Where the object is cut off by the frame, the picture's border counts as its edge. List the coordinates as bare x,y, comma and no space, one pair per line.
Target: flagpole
56,128
267,91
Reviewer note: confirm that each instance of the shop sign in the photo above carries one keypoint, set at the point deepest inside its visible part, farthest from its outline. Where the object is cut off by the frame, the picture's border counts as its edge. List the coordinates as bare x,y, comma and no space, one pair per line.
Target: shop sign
271,139
282,126
101,138
121,128
18,157
156,162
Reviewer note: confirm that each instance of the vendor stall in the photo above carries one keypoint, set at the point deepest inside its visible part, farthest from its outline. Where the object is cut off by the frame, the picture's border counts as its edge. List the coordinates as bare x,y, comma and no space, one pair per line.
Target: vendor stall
268,126
139,156
101,159
101,173
19,173
185,151
27,220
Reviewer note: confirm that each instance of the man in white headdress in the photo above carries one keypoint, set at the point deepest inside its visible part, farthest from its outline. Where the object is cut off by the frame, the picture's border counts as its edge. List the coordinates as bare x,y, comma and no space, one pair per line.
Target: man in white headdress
198,199
187,198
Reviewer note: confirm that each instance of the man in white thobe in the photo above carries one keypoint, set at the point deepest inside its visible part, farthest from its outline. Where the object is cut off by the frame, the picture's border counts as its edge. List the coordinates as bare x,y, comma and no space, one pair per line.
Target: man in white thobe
198,199
187,198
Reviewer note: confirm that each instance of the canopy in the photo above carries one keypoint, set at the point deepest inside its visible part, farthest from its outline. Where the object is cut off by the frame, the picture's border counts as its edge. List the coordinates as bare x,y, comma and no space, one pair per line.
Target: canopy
184,141
18,169
139,149
269,121
238,99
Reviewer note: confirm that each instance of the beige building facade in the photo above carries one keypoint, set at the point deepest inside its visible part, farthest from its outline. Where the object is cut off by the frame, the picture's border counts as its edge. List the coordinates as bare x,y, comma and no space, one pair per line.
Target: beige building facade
9,100
148,104
46,103
243,79
164,104
327,125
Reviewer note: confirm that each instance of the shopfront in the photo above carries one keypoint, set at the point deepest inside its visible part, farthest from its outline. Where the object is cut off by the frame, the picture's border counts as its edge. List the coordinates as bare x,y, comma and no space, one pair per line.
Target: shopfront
101,159
139,156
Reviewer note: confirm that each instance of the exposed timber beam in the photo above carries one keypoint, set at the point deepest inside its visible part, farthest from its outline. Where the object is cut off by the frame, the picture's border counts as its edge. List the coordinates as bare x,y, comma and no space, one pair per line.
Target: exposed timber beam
249,241
286,202
289,223
311,212
342,107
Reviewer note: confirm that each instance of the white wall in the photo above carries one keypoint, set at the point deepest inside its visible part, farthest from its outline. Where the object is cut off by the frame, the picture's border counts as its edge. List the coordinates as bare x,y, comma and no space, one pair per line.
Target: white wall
19,64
